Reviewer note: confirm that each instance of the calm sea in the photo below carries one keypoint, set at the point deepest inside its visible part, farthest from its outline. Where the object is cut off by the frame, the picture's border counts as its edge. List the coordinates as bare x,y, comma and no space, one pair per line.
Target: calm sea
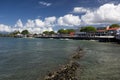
32,59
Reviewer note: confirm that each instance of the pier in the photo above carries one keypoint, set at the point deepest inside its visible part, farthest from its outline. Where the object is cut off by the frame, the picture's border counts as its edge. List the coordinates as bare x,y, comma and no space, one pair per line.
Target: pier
99,38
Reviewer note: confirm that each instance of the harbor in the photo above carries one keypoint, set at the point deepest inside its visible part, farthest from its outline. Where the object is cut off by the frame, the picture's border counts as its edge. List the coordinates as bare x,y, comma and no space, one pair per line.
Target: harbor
34,59
60,40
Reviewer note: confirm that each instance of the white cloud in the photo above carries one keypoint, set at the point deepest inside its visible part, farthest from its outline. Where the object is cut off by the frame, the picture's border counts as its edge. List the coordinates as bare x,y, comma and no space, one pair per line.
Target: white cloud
105,14
45,3
38,26
18,26
5,28
80,10
39,23
19,23
50,21
33,26
30,23
69,20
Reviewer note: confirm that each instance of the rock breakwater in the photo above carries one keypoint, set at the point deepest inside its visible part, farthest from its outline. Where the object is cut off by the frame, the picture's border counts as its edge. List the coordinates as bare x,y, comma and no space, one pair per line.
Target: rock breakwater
67,71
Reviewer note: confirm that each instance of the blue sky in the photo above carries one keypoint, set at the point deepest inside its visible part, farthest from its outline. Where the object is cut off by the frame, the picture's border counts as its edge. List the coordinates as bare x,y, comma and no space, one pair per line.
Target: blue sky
56,14
12,10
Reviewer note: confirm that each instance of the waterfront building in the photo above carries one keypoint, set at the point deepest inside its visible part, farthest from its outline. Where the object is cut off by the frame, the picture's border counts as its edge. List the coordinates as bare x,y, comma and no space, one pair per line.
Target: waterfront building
19,35
112,31
101,31
118,34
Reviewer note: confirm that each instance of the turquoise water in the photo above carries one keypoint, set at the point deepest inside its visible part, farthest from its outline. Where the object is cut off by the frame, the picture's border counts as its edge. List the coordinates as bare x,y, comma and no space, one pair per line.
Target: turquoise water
31,59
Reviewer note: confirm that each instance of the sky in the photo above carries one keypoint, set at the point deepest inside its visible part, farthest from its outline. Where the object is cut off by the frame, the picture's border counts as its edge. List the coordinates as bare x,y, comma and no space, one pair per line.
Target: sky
47,15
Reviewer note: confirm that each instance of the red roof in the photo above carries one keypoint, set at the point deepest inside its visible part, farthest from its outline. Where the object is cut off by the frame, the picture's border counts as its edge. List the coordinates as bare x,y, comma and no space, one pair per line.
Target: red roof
113,28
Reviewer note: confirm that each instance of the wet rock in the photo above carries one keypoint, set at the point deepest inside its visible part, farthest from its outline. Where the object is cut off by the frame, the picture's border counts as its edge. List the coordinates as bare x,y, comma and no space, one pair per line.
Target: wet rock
77,55
68,71
79,49
65,73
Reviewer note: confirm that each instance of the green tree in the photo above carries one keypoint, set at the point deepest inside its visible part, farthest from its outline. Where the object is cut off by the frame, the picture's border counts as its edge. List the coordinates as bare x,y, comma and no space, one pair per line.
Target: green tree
66,31
88,29
46,32
62,31
25,32
51,32
114,26
14,33
70,31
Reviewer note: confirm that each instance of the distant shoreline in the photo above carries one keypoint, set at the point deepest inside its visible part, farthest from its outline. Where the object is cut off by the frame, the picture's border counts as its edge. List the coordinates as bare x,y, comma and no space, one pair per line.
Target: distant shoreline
103,39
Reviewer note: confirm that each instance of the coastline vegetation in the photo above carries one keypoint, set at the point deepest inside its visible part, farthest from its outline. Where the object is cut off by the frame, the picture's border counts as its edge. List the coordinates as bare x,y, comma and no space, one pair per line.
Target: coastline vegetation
15,33
60,31
115,26
65,31
88,29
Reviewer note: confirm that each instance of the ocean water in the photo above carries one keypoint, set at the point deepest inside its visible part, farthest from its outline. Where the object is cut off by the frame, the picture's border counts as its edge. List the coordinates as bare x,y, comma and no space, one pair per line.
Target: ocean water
101,61
32,59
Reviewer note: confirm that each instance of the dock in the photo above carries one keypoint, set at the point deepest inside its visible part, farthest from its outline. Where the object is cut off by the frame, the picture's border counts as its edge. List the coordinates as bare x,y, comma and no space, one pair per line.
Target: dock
99,38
